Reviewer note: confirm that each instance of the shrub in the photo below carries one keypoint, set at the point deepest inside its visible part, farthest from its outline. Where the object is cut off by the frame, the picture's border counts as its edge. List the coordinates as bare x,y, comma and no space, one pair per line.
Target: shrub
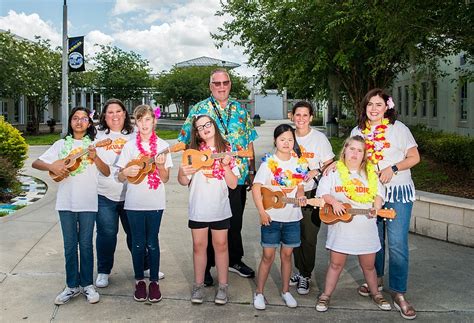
9,185
346,125
12,145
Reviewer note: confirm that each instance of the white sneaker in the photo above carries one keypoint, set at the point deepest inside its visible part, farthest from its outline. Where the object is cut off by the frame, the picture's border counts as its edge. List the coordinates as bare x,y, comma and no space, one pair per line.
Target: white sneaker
102,280
259,301
91,294
289,300
146,274
66,295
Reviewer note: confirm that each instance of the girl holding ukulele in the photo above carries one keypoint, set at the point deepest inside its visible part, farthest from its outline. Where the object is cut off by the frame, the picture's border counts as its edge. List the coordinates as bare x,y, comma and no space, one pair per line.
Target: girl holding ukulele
209,206
76,202
355,182
145,201
279,227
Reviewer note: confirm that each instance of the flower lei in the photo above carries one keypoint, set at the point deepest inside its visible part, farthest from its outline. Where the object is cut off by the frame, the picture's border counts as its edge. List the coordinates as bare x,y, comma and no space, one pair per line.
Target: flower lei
218,170
375,141
350,187
287,178
68,142
153,179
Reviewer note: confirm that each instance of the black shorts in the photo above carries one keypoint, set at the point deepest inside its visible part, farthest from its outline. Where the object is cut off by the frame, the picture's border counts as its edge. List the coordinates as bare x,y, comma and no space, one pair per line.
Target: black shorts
215,225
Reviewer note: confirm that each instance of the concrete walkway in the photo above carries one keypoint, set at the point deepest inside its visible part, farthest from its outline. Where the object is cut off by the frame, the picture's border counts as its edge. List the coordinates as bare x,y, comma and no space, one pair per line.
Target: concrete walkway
32,272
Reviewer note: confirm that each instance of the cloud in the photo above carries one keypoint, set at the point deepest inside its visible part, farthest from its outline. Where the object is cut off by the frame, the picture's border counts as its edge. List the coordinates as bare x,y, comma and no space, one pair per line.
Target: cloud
126,6
94,39
29,26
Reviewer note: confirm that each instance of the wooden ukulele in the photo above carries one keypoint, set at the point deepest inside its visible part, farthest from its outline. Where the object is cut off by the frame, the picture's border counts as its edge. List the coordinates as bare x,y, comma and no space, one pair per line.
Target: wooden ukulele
205,158
277,199
73,161
327,215
147,163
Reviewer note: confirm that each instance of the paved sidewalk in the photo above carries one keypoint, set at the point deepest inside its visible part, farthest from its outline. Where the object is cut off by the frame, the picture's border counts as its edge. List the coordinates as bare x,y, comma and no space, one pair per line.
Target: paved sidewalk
32,272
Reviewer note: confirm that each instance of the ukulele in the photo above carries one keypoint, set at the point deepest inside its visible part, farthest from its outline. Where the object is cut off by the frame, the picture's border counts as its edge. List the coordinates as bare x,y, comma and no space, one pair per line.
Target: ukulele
205,158
277,200
327,215
73,161
147,163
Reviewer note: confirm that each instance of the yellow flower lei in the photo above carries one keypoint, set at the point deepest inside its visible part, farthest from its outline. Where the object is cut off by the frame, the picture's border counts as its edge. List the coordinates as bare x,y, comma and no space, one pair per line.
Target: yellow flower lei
350,188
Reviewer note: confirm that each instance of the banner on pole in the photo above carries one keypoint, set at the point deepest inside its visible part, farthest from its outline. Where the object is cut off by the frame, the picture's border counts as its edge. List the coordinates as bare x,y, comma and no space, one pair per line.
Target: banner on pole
76,59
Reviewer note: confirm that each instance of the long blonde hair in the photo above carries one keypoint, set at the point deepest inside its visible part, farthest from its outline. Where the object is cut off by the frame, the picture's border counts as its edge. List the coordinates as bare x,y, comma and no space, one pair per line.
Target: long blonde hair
347,142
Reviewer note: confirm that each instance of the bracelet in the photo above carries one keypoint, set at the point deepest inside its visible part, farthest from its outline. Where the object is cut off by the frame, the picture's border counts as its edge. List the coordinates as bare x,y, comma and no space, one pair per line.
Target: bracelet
251,172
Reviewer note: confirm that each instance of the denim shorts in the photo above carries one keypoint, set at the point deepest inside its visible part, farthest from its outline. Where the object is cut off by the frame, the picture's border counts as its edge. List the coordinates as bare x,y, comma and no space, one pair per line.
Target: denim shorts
285,233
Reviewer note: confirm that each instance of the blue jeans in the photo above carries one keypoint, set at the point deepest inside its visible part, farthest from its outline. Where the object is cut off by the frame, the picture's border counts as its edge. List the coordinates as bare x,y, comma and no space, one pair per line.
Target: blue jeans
277,233
396,232
145,226
78,228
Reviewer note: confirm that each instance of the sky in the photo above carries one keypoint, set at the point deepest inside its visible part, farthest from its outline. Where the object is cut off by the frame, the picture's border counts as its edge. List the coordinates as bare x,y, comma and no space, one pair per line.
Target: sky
164,32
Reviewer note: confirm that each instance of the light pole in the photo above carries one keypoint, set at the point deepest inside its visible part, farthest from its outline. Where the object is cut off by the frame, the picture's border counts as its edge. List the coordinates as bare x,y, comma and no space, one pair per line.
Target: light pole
64,93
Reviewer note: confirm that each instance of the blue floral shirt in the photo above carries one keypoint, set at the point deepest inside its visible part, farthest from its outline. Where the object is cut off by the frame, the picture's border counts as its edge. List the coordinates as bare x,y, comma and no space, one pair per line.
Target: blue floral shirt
239,126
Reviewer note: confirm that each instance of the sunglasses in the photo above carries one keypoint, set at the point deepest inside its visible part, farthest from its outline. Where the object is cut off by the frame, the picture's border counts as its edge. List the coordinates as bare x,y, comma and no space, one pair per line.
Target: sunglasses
206,125
218,84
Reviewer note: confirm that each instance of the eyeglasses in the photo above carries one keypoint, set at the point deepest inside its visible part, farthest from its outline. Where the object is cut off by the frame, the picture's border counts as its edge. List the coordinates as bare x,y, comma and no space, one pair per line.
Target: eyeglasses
206,125
219,84
83,119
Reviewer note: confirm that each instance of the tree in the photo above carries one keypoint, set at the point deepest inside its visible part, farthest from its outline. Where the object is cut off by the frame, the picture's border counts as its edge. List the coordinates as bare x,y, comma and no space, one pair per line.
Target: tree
32,69
122,75
189,85
327,48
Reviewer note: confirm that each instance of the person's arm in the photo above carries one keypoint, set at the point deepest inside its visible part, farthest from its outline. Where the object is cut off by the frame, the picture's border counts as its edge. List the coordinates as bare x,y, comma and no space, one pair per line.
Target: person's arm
184,172
265,219
162,170
58,168
101,166
229,176
337,206
412,158
300,195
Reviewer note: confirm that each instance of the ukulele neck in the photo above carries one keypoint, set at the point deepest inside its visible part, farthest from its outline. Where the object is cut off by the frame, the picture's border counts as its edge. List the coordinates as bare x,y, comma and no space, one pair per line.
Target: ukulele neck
290,200
358,211
152,158
222,155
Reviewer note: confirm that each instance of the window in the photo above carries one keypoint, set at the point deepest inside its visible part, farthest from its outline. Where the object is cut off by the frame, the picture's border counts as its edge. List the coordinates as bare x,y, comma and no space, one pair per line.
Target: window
16,111
399,101
415,99
463,101
407,100
424,98
4,110
434,100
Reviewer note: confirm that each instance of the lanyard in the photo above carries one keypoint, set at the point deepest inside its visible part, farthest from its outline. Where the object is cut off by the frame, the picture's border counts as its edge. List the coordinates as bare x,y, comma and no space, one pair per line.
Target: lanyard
219,116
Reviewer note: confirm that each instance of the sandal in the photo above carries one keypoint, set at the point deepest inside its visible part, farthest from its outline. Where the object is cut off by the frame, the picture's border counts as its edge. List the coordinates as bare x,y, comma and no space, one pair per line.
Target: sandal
406,310
364,290
380,301
322,304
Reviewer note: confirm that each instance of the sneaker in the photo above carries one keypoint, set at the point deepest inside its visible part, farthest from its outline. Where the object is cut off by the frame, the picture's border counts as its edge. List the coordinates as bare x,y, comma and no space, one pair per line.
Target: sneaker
294,279
197,296
242,269
221,295
154,294
91,294
140,291
66,295
102,280
258,301
322,304
146,274
289,300
208,281
303,285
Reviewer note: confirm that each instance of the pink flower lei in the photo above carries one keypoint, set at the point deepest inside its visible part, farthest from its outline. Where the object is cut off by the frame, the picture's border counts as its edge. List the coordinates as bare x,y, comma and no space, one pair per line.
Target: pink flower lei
218,170
153,179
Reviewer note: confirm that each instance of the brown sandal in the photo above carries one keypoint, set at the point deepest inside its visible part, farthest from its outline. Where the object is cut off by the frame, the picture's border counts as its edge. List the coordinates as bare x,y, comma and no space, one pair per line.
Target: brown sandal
407,311
380,301
363,289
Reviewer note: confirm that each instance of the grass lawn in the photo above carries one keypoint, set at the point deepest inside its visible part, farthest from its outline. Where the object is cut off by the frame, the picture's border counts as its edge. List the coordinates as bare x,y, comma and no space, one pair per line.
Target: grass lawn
50,138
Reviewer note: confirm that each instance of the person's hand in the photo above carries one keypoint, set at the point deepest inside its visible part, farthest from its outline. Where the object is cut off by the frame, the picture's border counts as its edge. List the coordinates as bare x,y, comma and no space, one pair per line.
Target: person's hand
373,212
385,175
265,219
160,160
92,152
59,168
302,201
226,160
311,174
131,171
338,208
188,170
330,168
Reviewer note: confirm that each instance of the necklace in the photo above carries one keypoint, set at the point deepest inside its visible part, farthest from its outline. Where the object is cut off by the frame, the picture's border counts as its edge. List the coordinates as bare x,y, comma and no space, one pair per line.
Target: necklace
375,141
350,187
68,142
153,179
217,170
287,178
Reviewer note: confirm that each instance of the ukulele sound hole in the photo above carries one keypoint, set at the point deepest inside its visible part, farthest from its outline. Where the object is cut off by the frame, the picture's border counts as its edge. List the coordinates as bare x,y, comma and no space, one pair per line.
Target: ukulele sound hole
190,160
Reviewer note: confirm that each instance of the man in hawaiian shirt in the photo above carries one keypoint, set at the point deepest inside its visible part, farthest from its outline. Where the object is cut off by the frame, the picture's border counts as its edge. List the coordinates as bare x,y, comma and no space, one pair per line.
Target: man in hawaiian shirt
236,127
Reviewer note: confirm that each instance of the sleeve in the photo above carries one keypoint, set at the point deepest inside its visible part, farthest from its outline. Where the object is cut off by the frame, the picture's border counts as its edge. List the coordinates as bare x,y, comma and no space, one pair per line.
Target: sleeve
325,184
52,154
124,157
251,133
169,161
356,132
236,171
185,133
409,139
325,148
262,174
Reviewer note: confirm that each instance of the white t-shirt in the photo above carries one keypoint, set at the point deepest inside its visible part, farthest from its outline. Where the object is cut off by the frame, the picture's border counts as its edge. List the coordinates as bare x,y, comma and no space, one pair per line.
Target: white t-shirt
360,236
264,176
209,196
76,193
401,186
140,197
110,186
315,147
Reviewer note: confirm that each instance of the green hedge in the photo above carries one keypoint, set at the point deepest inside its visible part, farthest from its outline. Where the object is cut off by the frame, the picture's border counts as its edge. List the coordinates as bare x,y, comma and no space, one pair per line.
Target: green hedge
452,149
